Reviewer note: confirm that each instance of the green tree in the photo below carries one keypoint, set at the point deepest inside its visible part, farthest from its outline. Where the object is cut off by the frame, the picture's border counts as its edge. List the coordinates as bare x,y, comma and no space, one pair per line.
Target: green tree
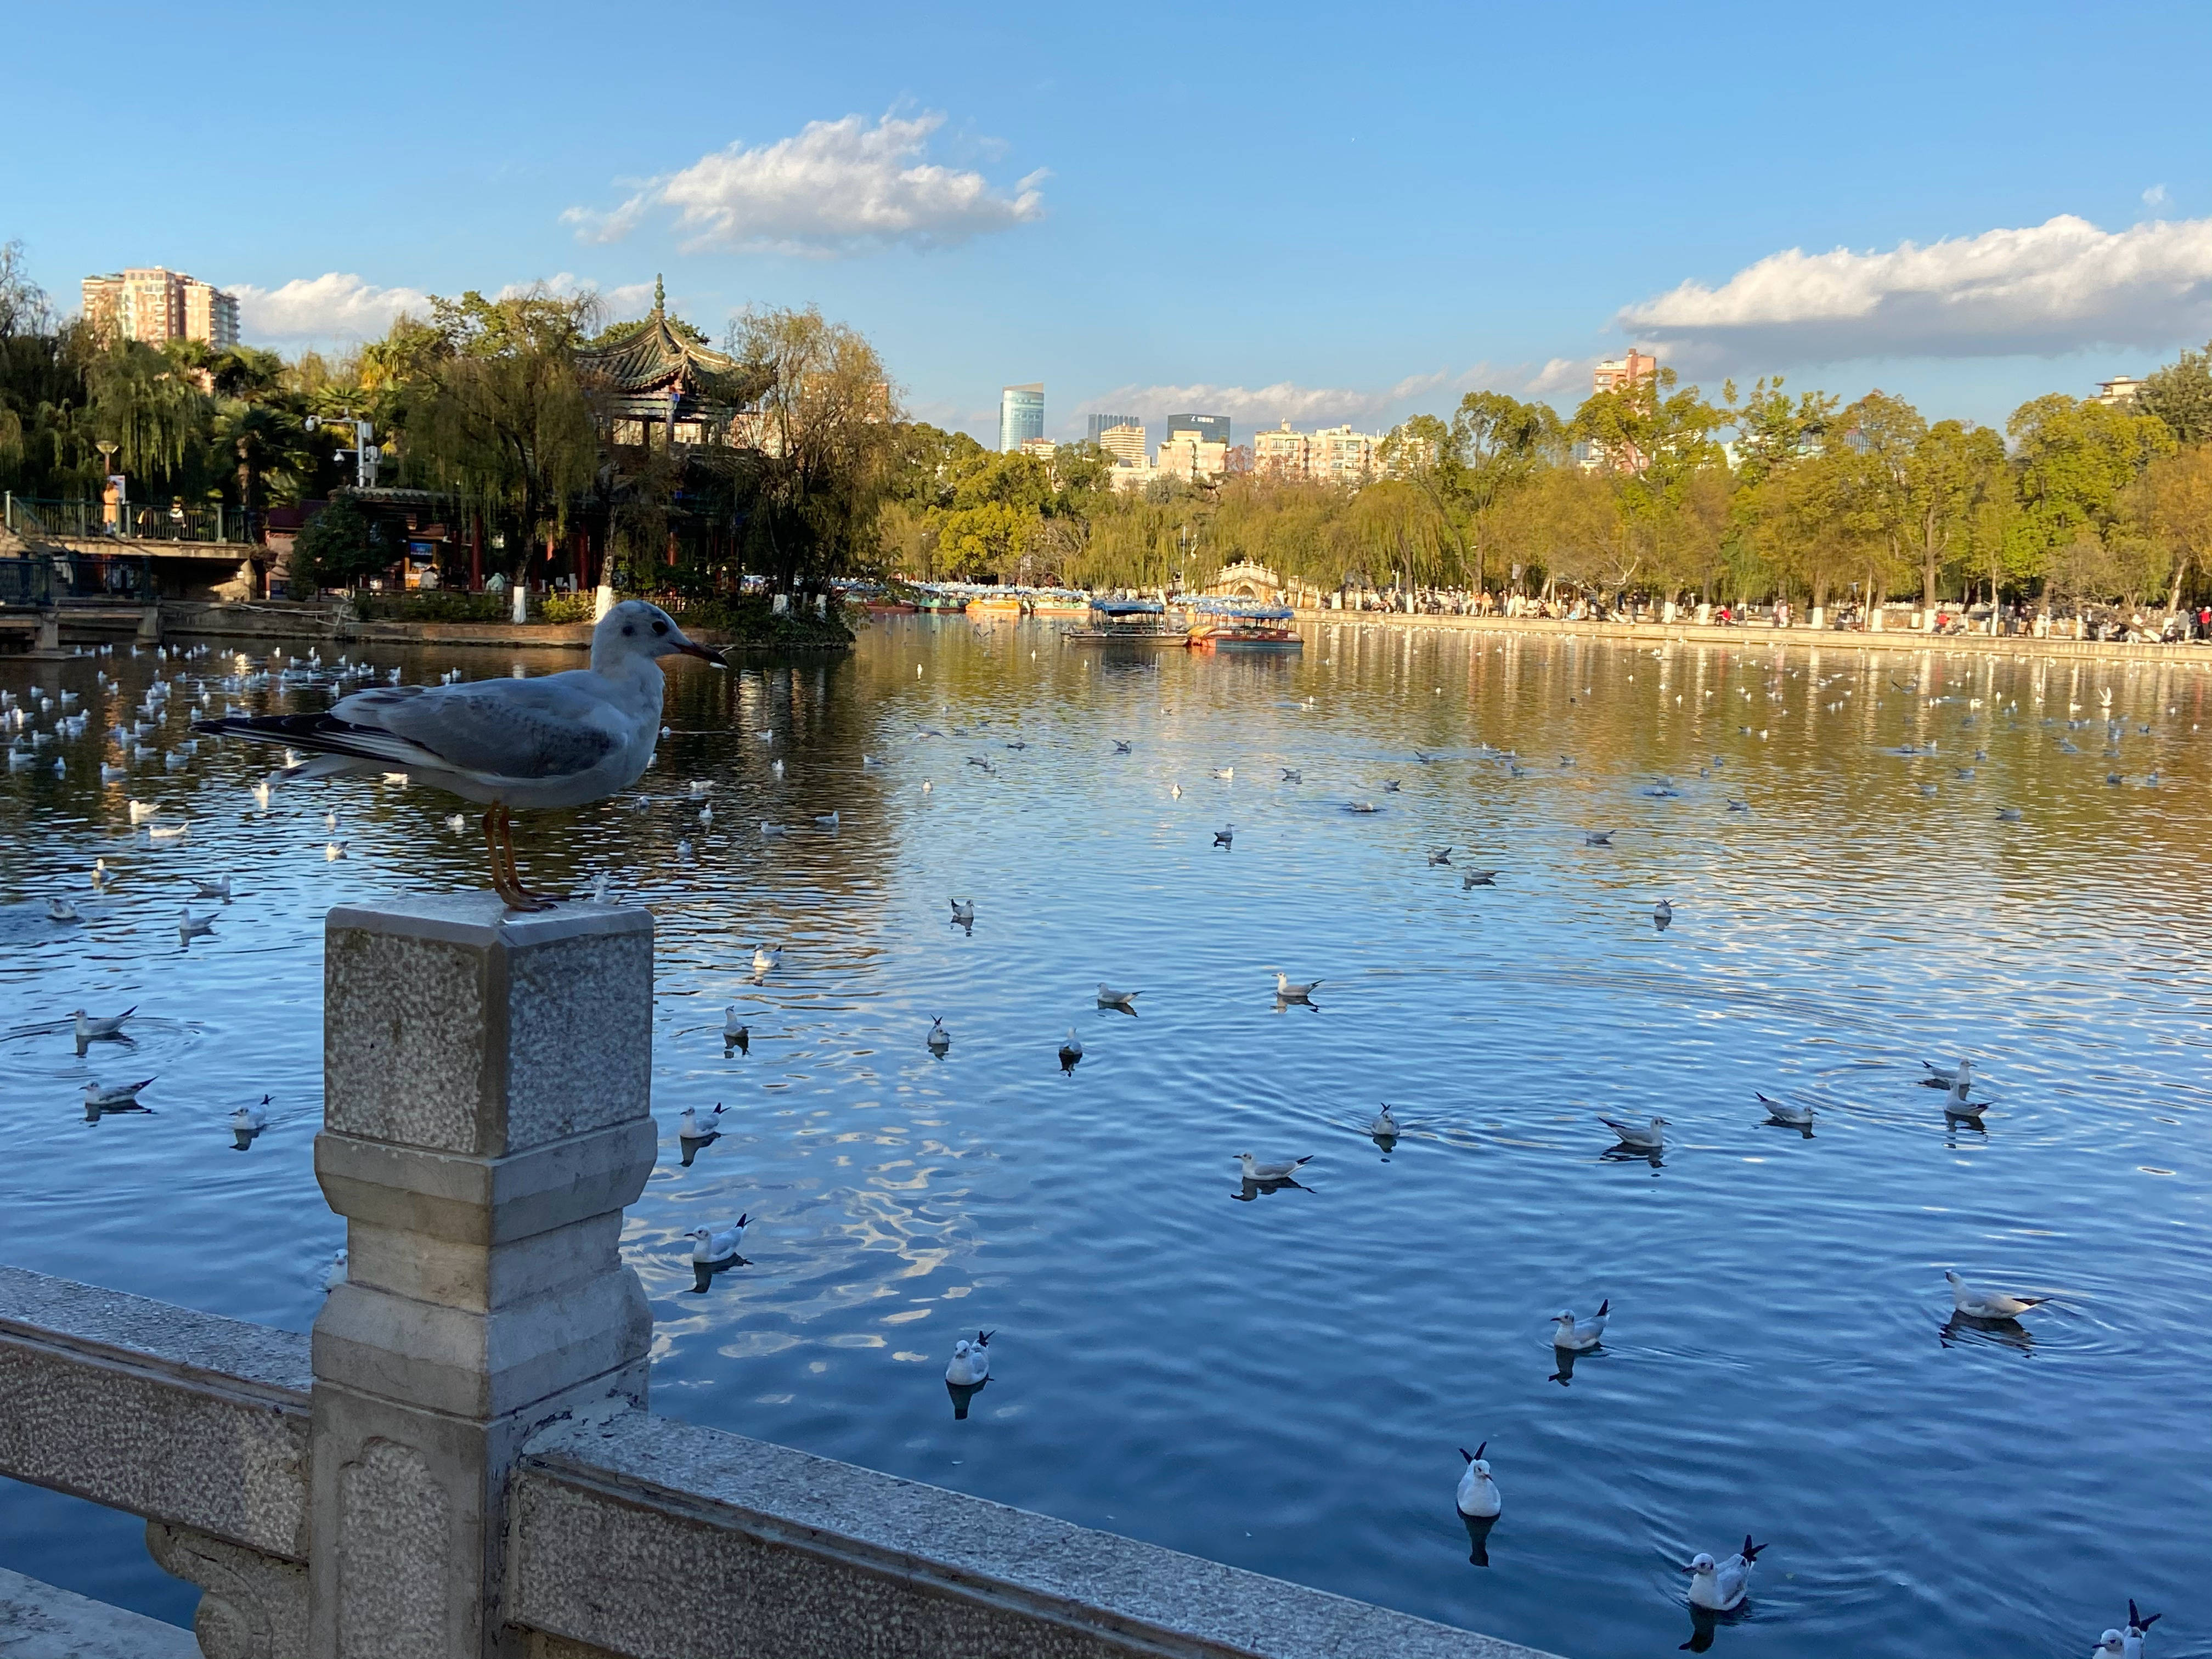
2175,509
337,548
501,420
2180,396
2073,458
811,491
1653,436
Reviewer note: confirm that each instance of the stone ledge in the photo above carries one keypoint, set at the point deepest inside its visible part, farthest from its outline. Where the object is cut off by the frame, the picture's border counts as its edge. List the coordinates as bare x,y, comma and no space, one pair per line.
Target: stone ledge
40,1621
657,1539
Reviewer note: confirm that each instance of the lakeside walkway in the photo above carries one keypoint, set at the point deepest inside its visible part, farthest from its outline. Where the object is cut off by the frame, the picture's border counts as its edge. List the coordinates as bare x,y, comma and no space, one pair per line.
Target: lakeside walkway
1758,636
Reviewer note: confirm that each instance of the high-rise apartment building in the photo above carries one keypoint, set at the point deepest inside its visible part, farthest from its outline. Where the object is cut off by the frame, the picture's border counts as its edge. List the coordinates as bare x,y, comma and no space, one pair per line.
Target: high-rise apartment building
1619,374
1124,441
1210,429
154,303
1020,414
1097,425
1192,455
1334,455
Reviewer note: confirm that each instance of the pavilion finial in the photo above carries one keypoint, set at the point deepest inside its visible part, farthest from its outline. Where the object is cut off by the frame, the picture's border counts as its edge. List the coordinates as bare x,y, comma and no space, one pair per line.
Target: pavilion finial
659,295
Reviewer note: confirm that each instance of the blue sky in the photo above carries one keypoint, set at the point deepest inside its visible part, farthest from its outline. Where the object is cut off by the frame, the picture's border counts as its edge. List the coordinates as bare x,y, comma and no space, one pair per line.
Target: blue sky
1288,211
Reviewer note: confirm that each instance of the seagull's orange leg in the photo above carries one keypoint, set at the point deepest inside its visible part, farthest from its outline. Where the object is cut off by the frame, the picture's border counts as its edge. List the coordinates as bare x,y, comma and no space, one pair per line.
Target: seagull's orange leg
530,900
501,883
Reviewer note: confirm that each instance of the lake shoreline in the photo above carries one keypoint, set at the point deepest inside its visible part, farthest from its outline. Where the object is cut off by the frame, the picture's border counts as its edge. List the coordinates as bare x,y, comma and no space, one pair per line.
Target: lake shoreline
1752,637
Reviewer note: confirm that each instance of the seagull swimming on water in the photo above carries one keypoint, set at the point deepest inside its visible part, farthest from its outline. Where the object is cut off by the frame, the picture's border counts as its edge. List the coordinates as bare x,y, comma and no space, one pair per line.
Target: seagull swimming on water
1948,1077
710,1247
1478,878
766,960
1649,1140
692,1126
1290,992
1721,1586
1573,1337
1439,855
1662,914
1110,998
1783,1111
1226,836
971,1361
1070,1050
1275,1170
963,911
940,1039
251,1120
1478,1496
735,1033
1988,1304
549,741
86,1027
1383,1126
114,1096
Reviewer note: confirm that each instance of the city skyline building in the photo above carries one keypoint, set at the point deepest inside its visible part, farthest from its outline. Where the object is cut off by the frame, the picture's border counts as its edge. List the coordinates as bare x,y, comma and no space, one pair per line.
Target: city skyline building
1191,455
1021,415
1095,426
1619,374
1334,454
1212,429
1124,441
153,304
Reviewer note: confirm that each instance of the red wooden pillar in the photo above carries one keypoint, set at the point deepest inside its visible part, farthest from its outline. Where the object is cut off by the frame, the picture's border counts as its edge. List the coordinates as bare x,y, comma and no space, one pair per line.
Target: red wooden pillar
475,553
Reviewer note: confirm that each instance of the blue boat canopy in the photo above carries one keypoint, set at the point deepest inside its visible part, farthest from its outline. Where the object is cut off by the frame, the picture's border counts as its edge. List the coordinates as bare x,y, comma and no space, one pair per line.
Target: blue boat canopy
1248,608
1128,607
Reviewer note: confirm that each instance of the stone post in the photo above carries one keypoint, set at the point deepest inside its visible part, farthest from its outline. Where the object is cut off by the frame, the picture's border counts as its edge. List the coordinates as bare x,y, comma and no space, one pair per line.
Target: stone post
486,1119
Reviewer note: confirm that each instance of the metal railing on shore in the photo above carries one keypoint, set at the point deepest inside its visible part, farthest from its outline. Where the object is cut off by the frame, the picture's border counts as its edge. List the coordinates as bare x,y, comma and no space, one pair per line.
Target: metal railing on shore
83,520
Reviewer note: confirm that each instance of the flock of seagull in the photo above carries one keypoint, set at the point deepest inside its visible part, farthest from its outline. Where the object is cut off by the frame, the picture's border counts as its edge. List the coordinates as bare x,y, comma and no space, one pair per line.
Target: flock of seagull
1718,1584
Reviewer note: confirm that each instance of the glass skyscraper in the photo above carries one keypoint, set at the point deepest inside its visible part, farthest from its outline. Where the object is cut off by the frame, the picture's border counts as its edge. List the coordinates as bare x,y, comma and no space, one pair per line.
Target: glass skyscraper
1020,414
1210,429
1103,423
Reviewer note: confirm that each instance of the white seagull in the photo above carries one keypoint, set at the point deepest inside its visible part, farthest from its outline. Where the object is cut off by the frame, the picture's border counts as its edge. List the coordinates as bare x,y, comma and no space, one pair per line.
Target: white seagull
1071,1050
1383,1127
1278,1169
1479,1498
1226,836
1290,992
1783,1111
733,1027
1662,914
692,1126
251,1120
218,889
709,1247
1988,1304
1579,1337
1948,1077
190,926
963,911
766,960
61,910
1649,1140
1110,998
88,1026
940,1039
551,741
1721,1586
971,1361
114,1096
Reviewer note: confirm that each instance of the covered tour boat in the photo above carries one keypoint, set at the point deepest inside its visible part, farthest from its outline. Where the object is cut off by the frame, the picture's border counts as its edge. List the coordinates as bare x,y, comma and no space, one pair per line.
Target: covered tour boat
1126,621
1242,625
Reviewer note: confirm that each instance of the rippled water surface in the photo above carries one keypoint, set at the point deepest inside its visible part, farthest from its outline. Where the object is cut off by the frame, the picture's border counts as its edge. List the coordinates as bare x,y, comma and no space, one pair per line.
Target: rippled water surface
1281,1379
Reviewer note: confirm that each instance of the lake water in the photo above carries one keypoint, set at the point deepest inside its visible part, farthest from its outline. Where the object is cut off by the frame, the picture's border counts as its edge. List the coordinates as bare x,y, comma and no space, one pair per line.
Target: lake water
1280,1380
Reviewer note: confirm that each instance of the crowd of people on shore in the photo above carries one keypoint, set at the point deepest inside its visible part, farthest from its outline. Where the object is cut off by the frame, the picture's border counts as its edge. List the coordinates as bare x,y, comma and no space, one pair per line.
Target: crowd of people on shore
2020,619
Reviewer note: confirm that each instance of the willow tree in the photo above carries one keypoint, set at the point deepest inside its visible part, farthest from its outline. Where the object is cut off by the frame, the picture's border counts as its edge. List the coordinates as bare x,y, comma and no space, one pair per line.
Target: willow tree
150,406
826,432
500,418
1468,467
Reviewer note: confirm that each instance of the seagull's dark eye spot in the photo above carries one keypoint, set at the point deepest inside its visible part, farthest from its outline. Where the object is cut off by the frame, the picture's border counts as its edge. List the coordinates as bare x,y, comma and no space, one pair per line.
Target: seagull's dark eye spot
661,628
628,630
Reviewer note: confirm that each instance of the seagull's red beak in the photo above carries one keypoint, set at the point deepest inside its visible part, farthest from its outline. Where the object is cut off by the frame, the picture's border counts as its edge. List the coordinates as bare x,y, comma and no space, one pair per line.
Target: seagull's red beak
693,648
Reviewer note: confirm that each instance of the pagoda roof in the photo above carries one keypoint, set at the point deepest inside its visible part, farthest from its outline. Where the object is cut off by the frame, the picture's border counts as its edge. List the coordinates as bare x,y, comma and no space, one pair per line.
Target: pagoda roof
652,358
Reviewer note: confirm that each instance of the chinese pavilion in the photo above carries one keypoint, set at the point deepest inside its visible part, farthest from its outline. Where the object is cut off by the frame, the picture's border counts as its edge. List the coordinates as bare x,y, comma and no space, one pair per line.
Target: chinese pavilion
654,377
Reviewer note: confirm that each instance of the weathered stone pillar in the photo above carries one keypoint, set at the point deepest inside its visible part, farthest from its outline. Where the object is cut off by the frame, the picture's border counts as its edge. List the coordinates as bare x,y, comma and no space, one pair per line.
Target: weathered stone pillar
486,1119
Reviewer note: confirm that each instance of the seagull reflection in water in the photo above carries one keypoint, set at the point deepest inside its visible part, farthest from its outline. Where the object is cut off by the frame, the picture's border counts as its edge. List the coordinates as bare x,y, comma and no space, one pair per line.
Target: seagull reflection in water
703,1274
1478,1536
1963,1330
962,1392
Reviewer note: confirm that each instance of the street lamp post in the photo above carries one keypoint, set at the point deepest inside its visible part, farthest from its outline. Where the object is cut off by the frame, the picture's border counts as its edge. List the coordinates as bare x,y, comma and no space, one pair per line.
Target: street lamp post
366,454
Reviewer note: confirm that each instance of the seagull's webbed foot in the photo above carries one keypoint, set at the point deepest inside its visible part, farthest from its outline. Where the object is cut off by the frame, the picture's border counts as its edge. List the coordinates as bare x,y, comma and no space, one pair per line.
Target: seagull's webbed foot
504,880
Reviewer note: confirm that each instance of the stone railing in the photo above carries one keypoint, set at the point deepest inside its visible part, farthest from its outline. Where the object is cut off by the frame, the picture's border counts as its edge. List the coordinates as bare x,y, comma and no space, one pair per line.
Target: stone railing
457,1463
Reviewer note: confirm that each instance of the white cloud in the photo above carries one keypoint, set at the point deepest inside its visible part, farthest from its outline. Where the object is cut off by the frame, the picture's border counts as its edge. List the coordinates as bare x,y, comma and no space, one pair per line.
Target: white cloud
335,305
838,187
2059,287
2154,197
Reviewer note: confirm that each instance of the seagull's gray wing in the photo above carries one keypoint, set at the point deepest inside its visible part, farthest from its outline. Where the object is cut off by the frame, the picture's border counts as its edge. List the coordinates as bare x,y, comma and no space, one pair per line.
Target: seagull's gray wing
534,728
